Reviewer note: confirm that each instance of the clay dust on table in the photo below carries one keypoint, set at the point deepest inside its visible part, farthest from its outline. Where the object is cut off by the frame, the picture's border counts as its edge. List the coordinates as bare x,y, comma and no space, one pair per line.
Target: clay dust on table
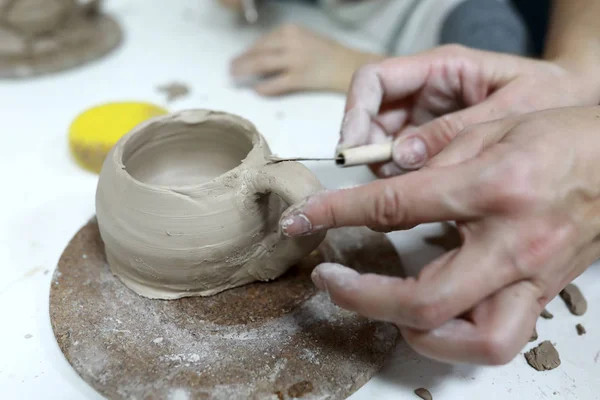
128,346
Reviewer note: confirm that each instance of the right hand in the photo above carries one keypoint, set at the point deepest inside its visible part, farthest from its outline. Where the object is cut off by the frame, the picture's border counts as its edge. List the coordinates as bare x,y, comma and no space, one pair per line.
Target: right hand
423,101
232,4
525,194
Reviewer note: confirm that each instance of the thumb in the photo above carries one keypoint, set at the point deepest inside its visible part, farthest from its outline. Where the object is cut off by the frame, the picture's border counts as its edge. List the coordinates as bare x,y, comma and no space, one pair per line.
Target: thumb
413,148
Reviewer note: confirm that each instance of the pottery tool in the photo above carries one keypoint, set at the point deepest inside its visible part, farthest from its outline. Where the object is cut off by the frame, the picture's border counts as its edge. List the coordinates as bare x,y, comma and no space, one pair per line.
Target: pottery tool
250,11
369,154
282,339
95,131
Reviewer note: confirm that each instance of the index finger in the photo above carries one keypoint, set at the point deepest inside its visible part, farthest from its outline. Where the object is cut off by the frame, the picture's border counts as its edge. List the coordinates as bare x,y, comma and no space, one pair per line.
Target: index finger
452,193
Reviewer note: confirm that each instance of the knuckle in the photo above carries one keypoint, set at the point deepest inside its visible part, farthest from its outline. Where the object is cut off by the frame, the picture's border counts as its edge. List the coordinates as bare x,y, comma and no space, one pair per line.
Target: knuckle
387,210
453,49
449,126
539,249
496,348
428,314
367,72
510,184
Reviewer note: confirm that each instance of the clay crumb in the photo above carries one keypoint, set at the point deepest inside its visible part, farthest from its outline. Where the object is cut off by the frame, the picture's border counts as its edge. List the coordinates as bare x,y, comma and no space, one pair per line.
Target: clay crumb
546,314
574,299
299,389
28,336
543,357
580,329
534,335
424,394
279,395
174,90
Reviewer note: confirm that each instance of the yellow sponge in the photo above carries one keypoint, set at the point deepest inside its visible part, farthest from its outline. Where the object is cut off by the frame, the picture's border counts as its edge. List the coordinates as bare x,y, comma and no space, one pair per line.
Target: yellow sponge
95,131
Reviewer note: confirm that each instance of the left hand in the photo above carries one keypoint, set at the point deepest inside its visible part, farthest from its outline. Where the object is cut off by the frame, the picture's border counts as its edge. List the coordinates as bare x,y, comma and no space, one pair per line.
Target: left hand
525,192
292,58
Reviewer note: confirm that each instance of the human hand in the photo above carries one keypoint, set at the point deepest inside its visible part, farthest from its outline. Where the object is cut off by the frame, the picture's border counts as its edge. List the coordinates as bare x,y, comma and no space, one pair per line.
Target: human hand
525,192
292,58
424,101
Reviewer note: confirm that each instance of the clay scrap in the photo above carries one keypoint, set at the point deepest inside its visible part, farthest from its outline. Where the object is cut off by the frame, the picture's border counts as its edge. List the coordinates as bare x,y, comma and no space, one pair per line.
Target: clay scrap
424,394
574,299
580,329
174,90
543,357
534,335
546,314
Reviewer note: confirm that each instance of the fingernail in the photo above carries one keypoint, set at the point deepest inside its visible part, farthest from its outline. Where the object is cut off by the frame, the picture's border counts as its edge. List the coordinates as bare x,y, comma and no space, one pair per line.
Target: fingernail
410,153
328,274
296,225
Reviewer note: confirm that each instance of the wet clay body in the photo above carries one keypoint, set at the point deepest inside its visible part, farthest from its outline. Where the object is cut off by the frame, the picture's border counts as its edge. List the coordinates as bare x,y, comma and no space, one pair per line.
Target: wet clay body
187,206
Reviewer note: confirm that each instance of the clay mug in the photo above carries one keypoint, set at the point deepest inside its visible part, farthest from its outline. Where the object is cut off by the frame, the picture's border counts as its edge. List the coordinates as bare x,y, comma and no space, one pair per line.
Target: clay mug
188,204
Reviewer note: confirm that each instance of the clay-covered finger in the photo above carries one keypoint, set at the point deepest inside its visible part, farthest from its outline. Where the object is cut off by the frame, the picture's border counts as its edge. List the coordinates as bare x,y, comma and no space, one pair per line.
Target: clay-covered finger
396,79
373,296
370,86
493,334
391,121
476,271
367,294
448,287
429,195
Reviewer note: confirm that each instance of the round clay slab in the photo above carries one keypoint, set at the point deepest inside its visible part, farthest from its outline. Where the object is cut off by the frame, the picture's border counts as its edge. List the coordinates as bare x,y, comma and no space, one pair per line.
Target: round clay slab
81,40
275,340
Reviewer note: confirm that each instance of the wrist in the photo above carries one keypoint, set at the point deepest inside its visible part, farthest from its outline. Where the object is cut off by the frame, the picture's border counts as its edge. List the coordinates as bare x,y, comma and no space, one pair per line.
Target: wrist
581,62
585,79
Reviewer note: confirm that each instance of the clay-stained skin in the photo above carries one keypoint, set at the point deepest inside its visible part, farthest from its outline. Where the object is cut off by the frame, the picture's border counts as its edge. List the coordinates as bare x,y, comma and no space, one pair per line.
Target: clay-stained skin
184,208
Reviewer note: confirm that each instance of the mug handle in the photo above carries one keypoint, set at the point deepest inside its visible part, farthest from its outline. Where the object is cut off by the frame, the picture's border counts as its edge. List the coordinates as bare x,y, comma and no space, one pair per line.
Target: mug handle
290,180
293,182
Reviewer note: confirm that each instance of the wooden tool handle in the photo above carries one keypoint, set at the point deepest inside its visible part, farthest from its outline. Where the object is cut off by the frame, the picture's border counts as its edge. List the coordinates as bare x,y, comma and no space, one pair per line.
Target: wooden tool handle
369,154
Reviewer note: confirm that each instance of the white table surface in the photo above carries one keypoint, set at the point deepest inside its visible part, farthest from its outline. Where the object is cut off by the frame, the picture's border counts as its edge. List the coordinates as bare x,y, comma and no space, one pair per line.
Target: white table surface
46,198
